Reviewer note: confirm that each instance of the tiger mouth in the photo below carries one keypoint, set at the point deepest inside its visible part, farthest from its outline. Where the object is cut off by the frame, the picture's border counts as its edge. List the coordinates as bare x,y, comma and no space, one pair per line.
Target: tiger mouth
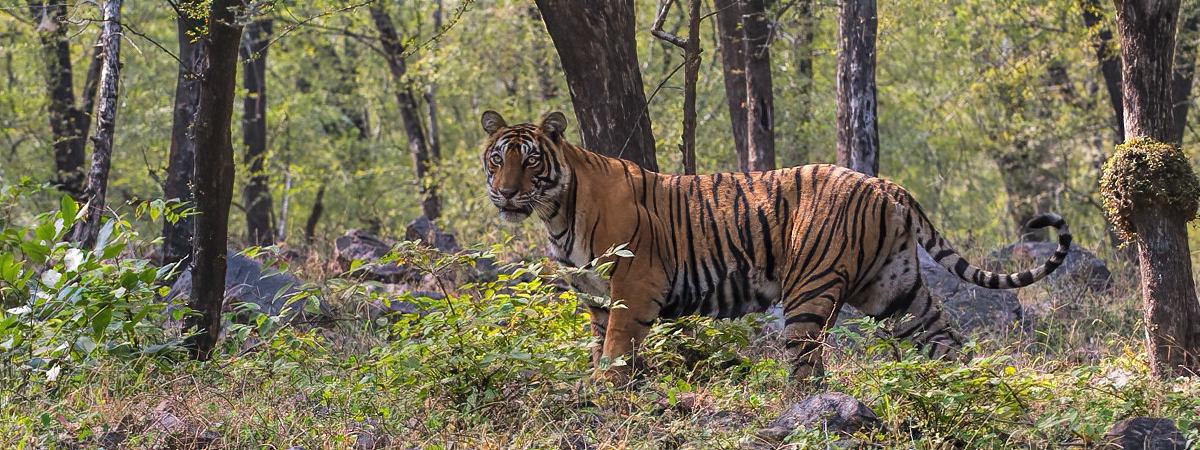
515,213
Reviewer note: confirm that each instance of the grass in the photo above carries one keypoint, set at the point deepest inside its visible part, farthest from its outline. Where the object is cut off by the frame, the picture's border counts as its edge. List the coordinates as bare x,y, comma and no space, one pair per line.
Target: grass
504,365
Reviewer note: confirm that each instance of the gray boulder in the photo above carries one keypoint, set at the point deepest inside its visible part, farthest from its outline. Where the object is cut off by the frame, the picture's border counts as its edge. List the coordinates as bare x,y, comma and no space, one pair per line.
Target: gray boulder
835,413
273,293
1144,433
969,306
359,245
1080,271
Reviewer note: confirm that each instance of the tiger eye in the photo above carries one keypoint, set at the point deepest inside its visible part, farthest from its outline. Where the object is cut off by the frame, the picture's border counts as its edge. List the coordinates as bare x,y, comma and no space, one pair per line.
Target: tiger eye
532,161
496,159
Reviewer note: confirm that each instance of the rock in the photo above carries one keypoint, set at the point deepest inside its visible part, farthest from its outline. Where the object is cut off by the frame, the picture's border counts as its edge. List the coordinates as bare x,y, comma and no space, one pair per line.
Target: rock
969,306
358,245
1080,271
835,413
1144,433
247,282
574,441
173,432
367,436
424,230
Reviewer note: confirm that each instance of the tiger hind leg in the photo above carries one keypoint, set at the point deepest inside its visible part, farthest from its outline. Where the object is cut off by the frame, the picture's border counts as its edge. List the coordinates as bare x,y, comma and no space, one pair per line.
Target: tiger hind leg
810,308
924,324
898,293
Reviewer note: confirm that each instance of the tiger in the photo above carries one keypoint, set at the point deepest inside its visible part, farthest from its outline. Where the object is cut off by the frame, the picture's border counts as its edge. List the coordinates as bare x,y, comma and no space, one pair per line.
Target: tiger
811,238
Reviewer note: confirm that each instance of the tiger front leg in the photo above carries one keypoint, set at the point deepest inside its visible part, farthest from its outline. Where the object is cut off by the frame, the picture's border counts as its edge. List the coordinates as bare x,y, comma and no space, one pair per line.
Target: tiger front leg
635,307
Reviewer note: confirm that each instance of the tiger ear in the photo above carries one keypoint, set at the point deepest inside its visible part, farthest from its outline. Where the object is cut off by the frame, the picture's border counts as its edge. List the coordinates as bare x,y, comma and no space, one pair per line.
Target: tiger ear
554,124
492,122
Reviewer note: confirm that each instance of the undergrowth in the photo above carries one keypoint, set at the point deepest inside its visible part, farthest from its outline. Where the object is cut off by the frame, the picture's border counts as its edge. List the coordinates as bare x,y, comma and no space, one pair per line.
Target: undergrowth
89,354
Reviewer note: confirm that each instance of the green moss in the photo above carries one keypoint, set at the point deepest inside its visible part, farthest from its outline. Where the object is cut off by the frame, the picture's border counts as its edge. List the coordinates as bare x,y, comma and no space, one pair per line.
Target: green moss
1145,172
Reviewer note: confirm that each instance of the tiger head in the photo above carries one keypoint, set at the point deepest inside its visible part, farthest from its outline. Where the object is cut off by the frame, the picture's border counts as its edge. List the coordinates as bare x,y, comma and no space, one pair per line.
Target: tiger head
525,171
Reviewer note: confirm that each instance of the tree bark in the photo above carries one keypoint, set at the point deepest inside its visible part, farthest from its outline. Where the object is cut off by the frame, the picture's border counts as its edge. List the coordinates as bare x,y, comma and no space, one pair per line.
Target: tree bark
417,146
177,235
733,65
213,178
595,43
1109,58
1147,30
97,180
760,101
858,135
257,194
51,21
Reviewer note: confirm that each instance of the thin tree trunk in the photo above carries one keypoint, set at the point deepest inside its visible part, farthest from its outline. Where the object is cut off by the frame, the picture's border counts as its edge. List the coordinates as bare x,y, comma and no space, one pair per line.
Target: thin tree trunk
213,179
596,44
281,234
177,235
257,194
97,181
51,20
1184,70
760,102
858,135
733,65
1109,57
417,145
803,50
1147,30
310,226
435,142
691,73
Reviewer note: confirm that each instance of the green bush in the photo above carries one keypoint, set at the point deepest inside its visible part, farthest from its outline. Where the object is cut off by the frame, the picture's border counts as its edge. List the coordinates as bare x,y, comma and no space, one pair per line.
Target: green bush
64,306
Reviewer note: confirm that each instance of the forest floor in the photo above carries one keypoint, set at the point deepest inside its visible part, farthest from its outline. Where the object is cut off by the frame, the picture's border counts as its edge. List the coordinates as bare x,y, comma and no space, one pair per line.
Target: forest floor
504,364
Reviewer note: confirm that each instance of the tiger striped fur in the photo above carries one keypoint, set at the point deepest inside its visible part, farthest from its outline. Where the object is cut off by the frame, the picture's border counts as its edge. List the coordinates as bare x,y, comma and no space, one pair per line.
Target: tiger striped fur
814,238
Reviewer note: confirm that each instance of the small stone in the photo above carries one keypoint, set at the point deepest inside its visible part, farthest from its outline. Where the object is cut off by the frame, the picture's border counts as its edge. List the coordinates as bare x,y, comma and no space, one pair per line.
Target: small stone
833,412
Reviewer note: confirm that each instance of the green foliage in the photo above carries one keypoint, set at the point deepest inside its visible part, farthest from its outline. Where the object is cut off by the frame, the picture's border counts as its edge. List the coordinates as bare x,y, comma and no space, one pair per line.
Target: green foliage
697,348
66,307
1143,172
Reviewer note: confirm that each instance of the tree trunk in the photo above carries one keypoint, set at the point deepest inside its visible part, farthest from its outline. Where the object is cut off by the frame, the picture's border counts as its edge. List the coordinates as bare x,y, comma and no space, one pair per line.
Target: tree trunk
858,136
733,65
97,180
1185,67
417,146
177,235
257,194
760,102
213,178
310,226
51,20
1109,57
1147,30
595,43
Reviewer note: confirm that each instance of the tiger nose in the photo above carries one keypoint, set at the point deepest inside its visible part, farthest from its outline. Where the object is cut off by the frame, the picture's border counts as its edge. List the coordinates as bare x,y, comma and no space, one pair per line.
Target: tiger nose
508,193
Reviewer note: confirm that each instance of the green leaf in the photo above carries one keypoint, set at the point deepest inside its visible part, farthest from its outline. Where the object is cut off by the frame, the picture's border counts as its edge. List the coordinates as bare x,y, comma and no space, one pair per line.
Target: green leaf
100,322
69,208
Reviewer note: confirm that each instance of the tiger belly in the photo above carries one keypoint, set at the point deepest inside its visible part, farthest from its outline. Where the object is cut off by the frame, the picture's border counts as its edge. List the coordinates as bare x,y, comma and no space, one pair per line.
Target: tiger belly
734,294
